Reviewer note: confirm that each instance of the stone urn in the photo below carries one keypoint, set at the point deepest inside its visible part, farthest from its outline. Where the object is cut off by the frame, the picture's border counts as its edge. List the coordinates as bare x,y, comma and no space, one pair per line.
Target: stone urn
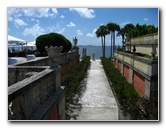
54,53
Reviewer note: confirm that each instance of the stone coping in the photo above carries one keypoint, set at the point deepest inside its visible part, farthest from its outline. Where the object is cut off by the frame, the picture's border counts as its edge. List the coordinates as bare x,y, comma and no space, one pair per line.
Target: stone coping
21,87
150,78
44,60
36,67
146,42
148,35
140,58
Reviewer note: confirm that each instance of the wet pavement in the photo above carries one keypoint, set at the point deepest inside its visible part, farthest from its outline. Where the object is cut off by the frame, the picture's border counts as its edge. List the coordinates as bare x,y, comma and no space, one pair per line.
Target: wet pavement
94,100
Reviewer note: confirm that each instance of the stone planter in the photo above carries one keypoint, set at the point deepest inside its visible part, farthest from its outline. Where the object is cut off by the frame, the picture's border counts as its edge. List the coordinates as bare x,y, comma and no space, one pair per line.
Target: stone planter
54,53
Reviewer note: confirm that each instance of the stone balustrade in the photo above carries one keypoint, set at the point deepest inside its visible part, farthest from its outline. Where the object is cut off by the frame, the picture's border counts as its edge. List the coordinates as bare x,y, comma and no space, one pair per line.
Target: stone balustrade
140,71
144,65
29,95
144,44
44,61
34,88
18,73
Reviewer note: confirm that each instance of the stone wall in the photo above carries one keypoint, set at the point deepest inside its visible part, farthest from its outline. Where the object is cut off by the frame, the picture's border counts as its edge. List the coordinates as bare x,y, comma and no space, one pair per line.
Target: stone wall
29,94
18,73
67,61
34,88
143,44
44,61
139,71
139,83
119,65
126,72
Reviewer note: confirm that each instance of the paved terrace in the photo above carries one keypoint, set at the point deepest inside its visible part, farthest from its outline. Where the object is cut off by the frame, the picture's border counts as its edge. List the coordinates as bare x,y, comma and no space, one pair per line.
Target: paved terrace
97,100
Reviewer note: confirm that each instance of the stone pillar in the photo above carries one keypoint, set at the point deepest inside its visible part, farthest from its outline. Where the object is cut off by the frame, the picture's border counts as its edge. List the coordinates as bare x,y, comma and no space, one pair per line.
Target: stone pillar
132,60
154,52
154,69
116,63
147,89
54,54
151,90
131,75
61,108
57,71
122,68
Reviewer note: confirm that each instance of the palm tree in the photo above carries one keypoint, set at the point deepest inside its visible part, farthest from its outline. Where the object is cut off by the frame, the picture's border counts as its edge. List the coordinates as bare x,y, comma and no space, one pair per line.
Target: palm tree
112,27
98,34
102,32
128,28
122,33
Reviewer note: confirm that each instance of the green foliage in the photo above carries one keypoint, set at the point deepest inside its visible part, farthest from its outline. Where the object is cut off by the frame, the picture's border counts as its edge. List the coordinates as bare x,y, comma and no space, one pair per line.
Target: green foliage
52,39
120,84
113,27
127,95
150,57
140,30
72,79
102,31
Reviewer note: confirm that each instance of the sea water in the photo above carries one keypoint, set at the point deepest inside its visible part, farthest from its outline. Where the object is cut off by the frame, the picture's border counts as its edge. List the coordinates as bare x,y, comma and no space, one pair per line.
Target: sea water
97,50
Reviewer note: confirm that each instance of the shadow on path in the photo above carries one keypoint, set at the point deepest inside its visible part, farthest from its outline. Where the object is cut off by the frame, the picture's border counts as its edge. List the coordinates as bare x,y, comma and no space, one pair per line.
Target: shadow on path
94,100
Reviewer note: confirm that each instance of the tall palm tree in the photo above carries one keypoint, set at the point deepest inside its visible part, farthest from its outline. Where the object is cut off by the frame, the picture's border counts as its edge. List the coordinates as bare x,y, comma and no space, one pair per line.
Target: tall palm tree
102,32
128,28
98,34
112,27
122,33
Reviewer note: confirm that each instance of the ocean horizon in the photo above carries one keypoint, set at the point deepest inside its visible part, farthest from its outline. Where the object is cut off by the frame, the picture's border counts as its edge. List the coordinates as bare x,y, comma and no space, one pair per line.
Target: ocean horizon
97,50
91,49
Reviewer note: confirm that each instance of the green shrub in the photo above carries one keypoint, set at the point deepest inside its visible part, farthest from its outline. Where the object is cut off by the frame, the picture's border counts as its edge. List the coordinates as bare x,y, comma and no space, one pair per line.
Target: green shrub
72,79
123,90
52,39
127,96
150,57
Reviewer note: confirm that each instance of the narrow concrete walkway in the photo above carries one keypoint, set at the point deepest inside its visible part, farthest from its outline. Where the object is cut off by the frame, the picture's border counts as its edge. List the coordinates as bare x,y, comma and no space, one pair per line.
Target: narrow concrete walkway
97,101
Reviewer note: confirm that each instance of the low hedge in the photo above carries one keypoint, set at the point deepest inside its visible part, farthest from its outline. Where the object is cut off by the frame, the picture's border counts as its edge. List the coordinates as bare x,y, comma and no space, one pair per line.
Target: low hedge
130,101
72,79
123,89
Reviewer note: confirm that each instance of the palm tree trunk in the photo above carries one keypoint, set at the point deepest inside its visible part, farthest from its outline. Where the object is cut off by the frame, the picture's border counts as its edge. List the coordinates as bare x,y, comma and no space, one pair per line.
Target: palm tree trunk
104,48
122,42
113,43
111,47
